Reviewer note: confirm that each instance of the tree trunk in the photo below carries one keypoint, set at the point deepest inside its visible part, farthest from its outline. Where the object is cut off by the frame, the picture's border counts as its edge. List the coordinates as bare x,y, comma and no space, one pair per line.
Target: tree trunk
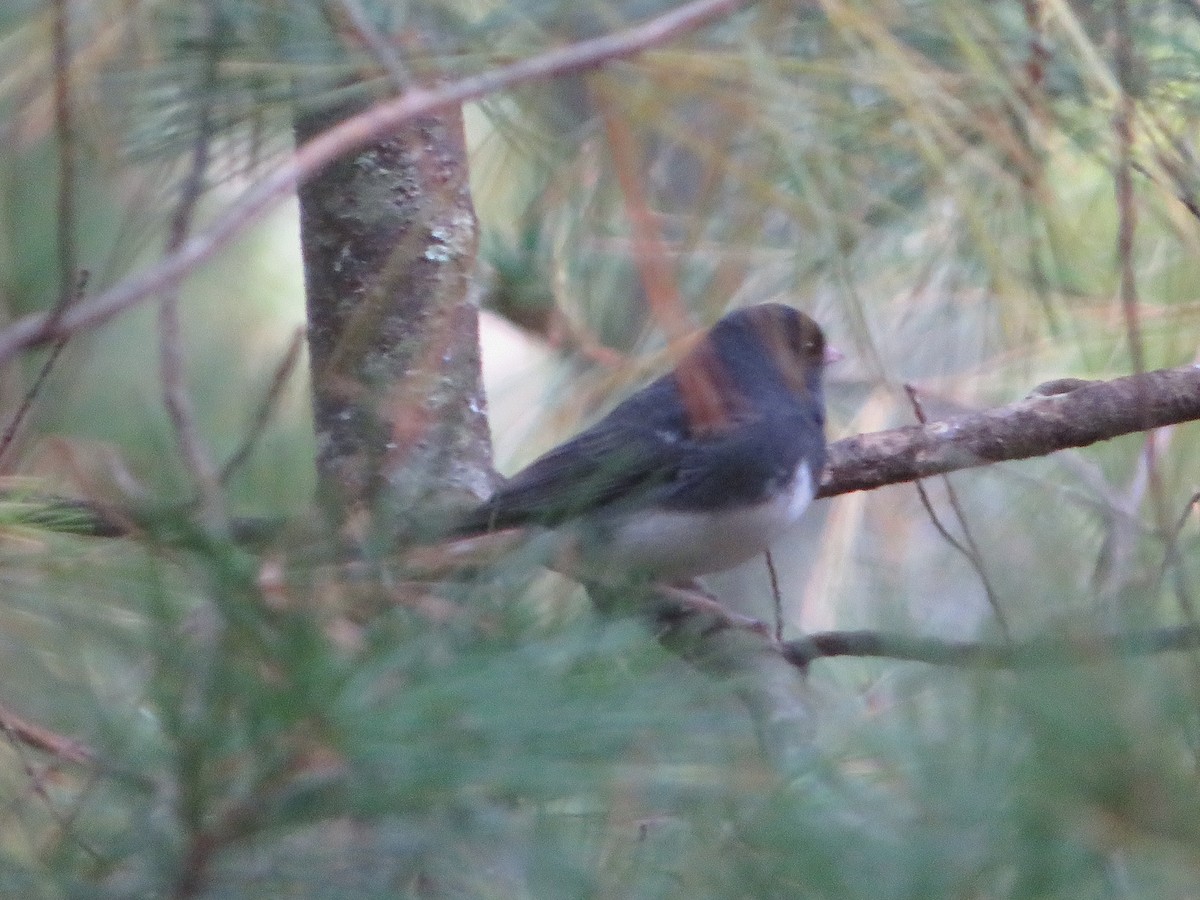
389,241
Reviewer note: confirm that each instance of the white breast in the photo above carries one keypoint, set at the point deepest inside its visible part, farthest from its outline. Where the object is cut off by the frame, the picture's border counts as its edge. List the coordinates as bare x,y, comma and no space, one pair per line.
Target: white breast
680,545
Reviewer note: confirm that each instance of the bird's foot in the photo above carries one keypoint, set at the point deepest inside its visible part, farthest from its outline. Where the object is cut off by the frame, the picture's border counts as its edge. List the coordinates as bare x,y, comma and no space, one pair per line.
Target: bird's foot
690,598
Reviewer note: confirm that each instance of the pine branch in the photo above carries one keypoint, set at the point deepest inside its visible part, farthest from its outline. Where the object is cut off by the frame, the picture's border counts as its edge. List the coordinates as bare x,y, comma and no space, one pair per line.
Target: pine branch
1034,653
1090,412
1095,411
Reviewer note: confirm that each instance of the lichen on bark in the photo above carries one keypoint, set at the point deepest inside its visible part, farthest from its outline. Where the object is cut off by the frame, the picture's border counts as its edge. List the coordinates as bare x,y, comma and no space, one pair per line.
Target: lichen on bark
389,242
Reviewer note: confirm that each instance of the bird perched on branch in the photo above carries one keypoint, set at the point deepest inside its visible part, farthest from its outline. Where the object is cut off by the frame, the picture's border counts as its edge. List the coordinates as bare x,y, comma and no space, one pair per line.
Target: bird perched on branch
697,472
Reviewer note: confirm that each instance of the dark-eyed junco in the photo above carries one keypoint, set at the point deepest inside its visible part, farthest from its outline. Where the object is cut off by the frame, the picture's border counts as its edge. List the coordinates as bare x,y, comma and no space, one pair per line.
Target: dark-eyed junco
696,472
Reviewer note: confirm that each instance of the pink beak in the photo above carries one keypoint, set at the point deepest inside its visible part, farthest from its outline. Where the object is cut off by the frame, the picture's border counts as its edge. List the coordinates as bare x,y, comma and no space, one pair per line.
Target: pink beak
832,354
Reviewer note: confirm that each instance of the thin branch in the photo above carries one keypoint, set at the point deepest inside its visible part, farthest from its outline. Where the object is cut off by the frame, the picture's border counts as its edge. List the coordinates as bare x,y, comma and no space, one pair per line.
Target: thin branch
21,734
171,368
970,550
1171,558
39,381
1126,210
262,416
44,740
650,255
375,43
70,284
1123,123
1042,652
353,134
294,791
1173,540
776,597
1038,57
64,125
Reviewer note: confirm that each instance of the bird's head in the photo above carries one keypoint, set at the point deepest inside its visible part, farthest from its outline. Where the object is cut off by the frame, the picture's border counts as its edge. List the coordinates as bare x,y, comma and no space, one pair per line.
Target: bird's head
746,358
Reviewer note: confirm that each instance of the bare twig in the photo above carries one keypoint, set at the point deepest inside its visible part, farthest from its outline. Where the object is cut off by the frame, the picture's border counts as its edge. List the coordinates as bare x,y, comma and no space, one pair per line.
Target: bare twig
1126,231
375,43
287,365
1126,209
970,550
22,734
1039,652
1171,554
44,740
649,249
1039,54
776,597
175,394
690,604
39,381
349,135
68,253
1173,537
70,285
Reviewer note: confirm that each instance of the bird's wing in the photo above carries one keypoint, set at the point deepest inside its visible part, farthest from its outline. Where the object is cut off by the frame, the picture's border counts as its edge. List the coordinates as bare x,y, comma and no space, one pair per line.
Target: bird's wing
634,450
746,464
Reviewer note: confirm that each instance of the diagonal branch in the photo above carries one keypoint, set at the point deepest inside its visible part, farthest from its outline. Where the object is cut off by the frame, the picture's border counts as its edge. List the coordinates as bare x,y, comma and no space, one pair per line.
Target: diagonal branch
71,280
969,549
1095,411
40,738
354,133
176,398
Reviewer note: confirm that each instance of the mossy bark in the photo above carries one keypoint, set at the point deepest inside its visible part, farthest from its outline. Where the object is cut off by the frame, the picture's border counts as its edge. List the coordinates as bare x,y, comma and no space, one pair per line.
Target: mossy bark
389,241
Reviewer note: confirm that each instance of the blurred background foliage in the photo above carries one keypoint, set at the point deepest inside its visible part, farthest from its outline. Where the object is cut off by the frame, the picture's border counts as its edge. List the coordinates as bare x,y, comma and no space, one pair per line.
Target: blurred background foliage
932,180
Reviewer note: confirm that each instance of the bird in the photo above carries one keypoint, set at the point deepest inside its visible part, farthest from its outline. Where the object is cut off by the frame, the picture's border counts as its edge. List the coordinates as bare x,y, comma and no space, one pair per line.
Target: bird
695,473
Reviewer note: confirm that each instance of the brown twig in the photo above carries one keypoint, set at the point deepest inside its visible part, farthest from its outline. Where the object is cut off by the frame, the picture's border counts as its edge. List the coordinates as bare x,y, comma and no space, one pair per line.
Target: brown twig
969,550
1171,554
376,44
64,125
39,381
776,597
297,783
1126,232
176,398
204,843
44,740
352,134
1039,54
1042,652
283,371
649,249
1126,209
22,734
70,284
